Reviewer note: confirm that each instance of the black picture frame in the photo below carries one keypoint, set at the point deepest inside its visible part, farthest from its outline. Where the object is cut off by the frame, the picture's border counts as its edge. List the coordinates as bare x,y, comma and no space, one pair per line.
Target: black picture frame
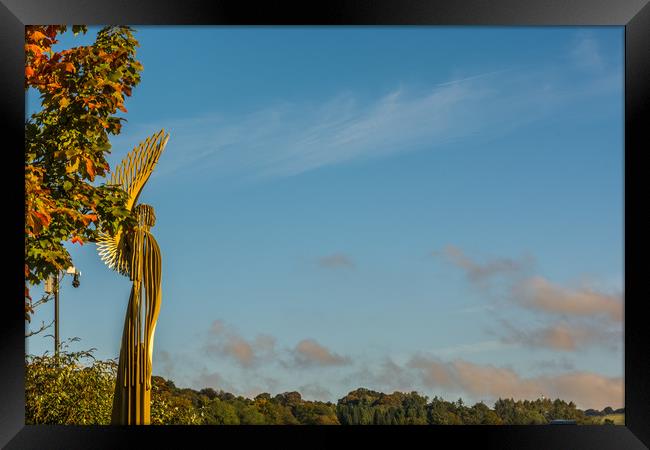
634,15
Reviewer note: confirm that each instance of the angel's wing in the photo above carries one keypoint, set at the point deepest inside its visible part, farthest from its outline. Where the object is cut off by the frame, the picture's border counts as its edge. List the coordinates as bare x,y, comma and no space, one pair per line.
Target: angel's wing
131,175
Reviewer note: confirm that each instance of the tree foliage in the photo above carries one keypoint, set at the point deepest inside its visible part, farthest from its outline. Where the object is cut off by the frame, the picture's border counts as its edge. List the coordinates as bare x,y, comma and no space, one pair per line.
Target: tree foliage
367,407
73,389
169,408
81,91
71,392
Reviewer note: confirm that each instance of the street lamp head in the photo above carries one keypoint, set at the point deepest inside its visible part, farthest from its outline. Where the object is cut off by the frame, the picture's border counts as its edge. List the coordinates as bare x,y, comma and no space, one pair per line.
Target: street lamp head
75,280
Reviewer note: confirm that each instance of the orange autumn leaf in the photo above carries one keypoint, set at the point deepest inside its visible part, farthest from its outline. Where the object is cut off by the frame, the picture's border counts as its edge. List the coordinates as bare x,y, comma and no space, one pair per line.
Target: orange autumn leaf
33,48
37,36
87,218
29,72
90,168
76,239
69,67
44,218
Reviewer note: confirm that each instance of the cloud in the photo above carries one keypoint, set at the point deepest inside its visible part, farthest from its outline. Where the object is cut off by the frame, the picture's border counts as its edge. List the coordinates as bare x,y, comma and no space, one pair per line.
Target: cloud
475,309
214,380
241,350
309,353
475,347
481,274
260,385
344,129
176,366
586,52
576,318
393,376
287,139
314,391
587,390
165,361
223,340
559,364
563,336
336,260
385,376
539,294
218,327
264,343
388,377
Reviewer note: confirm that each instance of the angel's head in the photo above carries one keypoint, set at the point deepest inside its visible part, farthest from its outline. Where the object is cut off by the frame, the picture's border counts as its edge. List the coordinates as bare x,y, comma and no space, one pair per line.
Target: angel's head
145,215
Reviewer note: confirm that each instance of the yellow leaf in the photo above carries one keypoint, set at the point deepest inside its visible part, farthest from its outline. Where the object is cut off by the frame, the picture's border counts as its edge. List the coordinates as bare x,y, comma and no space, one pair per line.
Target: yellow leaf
72,167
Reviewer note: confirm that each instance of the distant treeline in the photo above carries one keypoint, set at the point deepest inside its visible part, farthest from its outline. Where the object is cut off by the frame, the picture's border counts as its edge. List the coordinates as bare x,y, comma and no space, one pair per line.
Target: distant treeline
67,392
605,412
366,407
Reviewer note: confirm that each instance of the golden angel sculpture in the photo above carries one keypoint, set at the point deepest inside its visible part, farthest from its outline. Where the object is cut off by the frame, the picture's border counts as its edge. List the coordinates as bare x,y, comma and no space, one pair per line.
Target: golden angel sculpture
135,253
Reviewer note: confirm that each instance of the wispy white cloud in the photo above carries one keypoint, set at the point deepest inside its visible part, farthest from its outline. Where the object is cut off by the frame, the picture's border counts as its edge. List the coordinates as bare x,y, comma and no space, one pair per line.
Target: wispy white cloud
586,52
285,139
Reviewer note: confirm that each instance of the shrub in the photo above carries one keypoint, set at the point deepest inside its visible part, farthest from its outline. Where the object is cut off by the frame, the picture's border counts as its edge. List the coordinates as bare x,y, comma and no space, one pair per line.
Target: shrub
64,390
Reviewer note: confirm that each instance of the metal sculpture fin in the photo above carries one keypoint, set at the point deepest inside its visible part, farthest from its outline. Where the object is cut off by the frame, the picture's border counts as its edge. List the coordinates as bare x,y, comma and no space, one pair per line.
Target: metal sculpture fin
131,175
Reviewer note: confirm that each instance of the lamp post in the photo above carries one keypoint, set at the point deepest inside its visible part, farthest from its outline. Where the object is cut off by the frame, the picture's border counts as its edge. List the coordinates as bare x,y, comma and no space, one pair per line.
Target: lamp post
52,287
56,318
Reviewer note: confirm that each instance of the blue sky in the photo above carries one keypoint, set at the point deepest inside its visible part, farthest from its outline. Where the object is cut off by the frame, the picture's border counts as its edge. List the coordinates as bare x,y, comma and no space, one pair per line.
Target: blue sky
401,208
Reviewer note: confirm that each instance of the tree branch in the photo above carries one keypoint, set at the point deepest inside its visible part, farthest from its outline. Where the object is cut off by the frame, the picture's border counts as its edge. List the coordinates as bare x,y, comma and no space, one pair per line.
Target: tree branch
46,298
43,327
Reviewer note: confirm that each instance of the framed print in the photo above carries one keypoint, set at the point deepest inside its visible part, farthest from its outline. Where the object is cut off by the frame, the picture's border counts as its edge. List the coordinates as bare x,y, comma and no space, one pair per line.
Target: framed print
353,213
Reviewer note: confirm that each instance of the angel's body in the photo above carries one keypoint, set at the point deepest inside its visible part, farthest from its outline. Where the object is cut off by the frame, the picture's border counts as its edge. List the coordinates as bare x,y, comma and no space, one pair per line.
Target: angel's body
133,387
134,252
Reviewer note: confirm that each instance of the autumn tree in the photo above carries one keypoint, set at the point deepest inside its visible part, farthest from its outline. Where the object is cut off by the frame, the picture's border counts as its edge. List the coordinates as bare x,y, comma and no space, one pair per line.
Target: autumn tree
81,90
